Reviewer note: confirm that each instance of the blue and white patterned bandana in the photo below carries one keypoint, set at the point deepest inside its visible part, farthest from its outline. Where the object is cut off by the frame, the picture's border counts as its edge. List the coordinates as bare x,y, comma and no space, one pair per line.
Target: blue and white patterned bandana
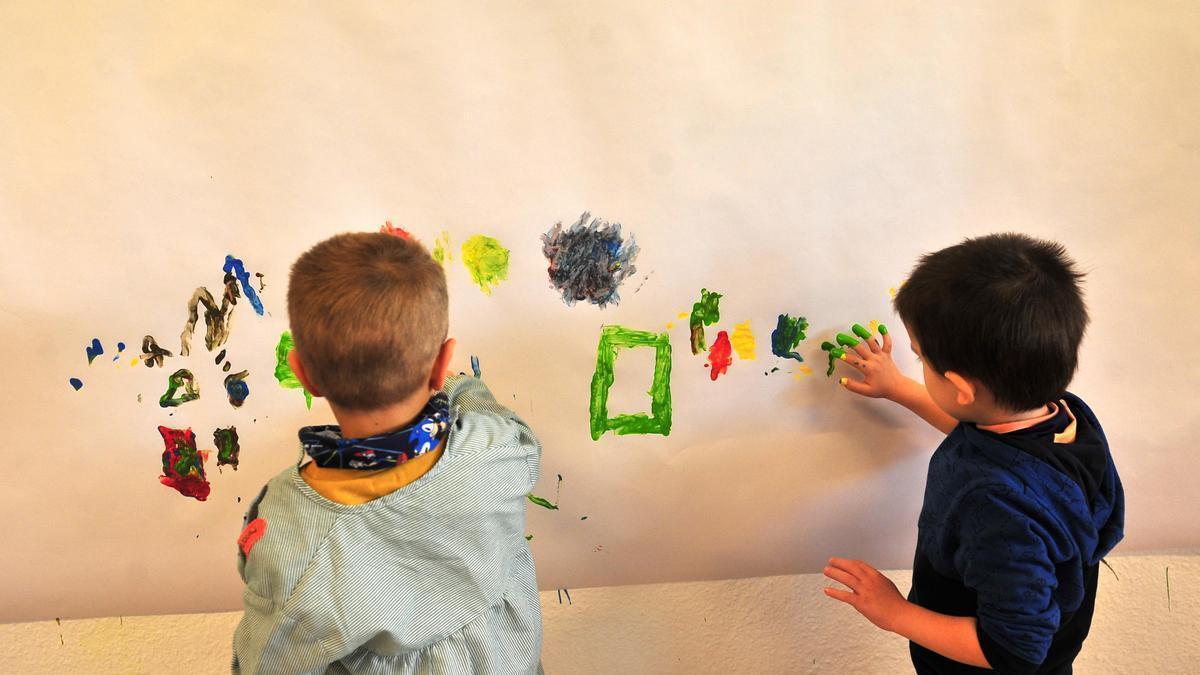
329,449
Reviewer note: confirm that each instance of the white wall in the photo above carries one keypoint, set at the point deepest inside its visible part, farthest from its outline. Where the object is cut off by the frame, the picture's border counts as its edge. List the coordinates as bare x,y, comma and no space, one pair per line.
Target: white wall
764,625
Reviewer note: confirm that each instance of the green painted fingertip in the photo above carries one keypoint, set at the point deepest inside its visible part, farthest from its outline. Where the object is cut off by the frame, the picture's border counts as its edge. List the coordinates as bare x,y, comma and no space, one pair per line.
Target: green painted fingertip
846,340
882,329
827,345
861,331
837,353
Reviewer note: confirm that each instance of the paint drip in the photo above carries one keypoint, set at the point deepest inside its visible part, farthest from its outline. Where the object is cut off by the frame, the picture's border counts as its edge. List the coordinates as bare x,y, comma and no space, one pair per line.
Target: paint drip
705,312
180,378
93,350
152,354
743,341
283,371
486,260
236,388
787,336
720,356
228,450
589,260
182,464
235,267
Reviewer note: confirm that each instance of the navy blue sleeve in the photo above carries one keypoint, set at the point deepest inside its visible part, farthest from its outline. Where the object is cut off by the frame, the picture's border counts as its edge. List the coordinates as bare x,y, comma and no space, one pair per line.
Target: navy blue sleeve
1002,555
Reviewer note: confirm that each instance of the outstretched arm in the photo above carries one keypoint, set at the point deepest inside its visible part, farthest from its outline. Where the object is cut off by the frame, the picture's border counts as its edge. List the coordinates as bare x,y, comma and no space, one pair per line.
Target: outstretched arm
882,379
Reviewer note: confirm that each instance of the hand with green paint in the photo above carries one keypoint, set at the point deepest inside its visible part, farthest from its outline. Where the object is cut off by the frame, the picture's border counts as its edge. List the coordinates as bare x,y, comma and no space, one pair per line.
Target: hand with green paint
880,376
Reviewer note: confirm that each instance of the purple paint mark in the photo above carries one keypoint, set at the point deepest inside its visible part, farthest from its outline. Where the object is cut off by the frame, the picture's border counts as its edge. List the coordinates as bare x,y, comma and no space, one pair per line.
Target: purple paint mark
235,267
94,350
77,383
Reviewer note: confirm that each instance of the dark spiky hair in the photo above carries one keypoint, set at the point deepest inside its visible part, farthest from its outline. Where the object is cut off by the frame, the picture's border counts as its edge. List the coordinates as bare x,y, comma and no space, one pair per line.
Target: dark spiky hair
1005,309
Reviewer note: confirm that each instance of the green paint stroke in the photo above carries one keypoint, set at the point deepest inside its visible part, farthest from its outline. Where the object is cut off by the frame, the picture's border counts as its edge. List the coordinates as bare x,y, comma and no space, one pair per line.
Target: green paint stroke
441,249
486,260
283,371
612,339
180,378
706,312
542,502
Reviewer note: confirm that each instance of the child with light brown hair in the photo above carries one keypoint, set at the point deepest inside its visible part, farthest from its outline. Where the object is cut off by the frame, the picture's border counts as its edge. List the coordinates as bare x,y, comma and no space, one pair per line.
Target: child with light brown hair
399,546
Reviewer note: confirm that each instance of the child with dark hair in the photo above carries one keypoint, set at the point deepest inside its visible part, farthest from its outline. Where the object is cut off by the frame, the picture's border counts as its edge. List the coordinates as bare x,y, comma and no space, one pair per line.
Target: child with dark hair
399,547
1022,499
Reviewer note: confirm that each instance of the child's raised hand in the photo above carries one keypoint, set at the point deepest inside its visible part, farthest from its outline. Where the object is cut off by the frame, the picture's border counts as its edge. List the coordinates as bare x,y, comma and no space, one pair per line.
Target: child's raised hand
880,377
871,593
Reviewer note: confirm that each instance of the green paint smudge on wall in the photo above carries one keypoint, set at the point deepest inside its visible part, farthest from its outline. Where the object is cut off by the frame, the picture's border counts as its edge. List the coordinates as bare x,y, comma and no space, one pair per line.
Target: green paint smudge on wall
612,339
283,371
788,333
180,378
486,260
441,249
542,502
705,312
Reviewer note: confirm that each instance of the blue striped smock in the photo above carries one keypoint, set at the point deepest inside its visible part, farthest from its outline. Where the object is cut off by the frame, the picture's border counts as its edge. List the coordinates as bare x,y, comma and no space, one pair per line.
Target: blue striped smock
436,577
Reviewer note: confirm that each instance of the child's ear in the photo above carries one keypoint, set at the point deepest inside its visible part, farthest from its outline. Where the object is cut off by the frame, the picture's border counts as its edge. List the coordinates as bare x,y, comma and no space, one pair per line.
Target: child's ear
298,369
441,365
964,388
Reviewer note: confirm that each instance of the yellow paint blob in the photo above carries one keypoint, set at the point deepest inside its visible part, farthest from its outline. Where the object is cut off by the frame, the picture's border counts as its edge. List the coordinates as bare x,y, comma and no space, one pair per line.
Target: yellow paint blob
682,315
743,341
874,326
670,325
133,361
892,292
805,370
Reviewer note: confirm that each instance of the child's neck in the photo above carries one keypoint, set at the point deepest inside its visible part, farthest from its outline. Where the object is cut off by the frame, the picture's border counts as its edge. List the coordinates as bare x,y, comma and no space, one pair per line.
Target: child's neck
363,423
996,416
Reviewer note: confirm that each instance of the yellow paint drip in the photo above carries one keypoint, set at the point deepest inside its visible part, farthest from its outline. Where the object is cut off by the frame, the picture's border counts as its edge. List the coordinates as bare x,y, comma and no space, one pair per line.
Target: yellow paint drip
743,341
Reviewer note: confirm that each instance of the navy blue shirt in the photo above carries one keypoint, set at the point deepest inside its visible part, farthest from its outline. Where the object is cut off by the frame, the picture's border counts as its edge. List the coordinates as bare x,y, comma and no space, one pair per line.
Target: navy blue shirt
1012,532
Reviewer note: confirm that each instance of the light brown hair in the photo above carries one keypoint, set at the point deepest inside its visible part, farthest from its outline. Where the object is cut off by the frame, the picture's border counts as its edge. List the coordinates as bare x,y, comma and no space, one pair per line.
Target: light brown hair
369,312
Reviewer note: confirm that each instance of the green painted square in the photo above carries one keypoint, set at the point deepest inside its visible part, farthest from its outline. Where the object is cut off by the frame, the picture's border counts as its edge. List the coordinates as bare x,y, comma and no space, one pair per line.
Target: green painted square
612,339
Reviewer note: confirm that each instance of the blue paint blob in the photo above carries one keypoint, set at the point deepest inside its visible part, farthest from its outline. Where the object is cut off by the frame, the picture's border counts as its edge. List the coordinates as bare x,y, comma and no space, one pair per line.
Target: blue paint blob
235,266
77,383
96,349
236,388
475,366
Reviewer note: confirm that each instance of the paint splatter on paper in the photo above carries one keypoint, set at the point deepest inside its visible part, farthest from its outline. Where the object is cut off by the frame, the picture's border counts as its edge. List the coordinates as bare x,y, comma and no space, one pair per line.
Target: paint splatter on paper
76,383
486,260
613,339
220,357
93,350
152,354
216,319
236,388
441,249
180,378
542,502
283,371
182,464
743,341
720,356
117,356
705,312
389,228
475,367
228,450
589,260
238,269
787,335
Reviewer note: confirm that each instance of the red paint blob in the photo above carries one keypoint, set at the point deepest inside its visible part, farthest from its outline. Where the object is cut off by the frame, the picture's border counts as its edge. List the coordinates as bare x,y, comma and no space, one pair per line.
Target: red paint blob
183,465
388,228
720,355
254,531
